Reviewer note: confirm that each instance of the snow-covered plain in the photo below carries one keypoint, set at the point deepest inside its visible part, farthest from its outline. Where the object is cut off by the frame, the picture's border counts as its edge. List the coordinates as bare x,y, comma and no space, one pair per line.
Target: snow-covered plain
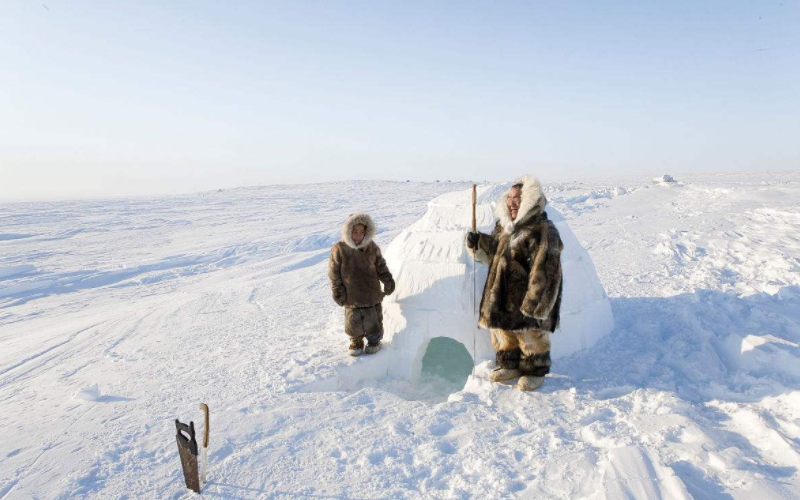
118,316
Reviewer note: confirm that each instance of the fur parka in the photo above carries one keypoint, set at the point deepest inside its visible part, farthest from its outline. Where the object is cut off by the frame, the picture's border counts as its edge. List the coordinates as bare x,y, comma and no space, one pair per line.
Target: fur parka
357,271
523,288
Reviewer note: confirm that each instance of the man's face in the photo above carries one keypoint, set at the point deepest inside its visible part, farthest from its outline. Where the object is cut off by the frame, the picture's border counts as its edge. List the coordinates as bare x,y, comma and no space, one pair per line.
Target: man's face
358,233
513,201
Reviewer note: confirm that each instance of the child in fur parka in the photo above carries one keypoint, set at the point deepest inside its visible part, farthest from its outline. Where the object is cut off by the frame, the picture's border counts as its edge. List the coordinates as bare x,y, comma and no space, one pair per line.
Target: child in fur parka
356,271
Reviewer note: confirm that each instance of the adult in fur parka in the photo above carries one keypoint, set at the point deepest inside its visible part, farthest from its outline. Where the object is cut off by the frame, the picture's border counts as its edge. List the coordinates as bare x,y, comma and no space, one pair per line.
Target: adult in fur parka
356,271
522,297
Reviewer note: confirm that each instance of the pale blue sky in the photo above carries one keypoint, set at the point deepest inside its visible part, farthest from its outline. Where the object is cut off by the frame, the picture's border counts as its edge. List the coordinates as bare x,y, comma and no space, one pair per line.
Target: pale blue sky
109,98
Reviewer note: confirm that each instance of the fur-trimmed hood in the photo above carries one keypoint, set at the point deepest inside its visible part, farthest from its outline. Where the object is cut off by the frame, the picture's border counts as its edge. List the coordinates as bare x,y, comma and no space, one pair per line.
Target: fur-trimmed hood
532,203
347,229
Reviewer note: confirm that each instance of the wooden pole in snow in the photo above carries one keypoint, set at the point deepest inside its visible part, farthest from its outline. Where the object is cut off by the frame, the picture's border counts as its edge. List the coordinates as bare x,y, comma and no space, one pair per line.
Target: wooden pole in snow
474,203
474,230
204,454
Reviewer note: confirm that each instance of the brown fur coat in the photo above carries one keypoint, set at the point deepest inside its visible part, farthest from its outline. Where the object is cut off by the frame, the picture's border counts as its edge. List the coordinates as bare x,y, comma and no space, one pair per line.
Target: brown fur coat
523,288
357,271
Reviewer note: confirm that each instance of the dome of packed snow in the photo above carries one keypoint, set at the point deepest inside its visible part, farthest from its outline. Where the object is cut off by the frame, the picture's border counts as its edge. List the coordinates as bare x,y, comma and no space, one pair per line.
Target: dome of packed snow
435,296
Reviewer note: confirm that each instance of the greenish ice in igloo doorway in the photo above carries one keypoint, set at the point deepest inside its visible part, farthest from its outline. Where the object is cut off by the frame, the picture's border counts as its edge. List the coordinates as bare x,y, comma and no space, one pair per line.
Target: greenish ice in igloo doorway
443,370
446,364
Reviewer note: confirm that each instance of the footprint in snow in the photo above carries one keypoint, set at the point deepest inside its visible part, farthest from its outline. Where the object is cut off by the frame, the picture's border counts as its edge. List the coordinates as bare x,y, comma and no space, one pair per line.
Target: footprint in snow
440,428
446,447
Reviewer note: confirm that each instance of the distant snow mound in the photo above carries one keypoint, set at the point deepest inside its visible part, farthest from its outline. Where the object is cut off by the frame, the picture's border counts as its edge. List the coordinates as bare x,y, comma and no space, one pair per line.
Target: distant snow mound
434,293
665,180
87,393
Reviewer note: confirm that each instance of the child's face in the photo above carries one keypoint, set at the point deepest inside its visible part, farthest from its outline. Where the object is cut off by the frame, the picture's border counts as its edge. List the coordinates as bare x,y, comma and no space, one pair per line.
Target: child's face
358,233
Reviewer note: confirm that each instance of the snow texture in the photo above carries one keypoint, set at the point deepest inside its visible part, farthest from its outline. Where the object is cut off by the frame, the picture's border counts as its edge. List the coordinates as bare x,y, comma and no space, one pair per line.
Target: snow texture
223,297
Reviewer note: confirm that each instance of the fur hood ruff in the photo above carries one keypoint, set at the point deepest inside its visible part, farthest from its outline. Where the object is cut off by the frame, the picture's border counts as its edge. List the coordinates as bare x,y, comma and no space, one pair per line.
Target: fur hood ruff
347,230
532,204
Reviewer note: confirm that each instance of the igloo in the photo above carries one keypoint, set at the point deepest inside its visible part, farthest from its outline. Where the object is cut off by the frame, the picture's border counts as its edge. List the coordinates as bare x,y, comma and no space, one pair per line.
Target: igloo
434,297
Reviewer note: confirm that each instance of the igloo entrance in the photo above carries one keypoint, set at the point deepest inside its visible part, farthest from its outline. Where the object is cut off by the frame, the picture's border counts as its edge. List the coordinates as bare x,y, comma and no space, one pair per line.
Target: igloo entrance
446,363
442,366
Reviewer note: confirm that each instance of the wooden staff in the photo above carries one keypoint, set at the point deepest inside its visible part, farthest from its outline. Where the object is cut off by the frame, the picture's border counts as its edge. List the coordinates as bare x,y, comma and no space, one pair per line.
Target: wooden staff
474,250
474,203
204,454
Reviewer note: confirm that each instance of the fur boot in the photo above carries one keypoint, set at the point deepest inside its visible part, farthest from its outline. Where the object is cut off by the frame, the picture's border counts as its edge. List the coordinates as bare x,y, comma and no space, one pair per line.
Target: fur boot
356,346
507,365
529,383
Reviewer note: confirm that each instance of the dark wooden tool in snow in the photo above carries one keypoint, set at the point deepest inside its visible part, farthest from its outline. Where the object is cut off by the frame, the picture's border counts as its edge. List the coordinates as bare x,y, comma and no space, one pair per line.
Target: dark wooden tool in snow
187,447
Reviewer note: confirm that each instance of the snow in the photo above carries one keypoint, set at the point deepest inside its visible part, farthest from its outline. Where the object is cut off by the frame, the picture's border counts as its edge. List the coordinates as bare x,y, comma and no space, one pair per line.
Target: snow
88,393
222,297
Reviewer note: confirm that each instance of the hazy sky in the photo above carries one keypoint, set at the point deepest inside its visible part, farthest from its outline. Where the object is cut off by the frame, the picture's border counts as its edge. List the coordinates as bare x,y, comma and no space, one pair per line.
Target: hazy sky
106,98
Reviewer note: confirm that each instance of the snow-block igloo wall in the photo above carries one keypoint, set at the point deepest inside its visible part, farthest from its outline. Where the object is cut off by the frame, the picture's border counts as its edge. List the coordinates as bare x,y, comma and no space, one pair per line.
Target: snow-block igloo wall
434,294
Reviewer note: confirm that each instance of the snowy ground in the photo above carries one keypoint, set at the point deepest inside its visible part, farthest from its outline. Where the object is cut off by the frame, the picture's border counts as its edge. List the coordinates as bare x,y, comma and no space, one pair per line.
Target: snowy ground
116,317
